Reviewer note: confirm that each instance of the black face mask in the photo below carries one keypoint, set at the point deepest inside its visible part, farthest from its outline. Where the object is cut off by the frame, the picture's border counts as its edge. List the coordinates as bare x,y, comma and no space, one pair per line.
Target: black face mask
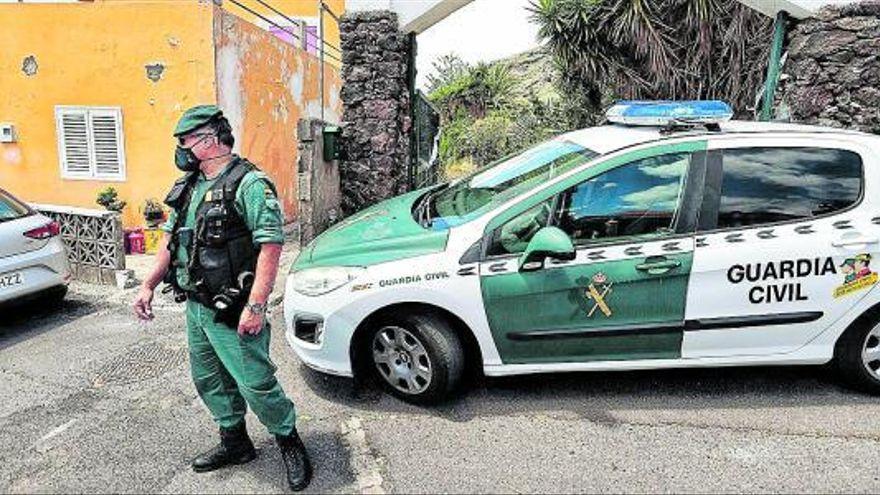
185,159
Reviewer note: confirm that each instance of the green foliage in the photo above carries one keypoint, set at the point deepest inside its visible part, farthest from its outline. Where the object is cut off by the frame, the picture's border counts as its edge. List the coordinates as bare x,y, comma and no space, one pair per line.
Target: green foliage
486,114
109,199
657,49
602,50
152,205
475,91
153,212
447,68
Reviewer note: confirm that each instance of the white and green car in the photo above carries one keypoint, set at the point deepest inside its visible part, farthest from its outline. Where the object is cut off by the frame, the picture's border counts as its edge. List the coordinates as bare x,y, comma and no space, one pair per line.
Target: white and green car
611,248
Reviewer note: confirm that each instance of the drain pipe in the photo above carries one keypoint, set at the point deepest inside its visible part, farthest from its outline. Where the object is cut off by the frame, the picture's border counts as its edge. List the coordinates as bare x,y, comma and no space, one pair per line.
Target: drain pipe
779,28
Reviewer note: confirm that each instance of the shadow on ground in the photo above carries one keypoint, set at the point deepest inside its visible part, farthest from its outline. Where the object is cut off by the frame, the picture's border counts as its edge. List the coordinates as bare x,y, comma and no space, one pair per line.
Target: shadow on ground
593,394
19,322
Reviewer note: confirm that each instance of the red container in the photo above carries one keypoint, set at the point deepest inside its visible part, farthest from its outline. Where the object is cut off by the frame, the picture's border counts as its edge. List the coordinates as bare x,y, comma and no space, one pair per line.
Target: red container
136,242
126,233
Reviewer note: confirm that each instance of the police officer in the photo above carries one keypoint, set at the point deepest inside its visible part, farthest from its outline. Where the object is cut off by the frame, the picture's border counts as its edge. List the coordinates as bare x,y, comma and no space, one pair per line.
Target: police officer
220,253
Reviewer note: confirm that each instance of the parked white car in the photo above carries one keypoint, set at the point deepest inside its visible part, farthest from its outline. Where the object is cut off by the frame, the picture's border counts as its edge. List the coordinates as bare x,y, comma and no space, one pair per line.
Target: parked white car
33,259
701,243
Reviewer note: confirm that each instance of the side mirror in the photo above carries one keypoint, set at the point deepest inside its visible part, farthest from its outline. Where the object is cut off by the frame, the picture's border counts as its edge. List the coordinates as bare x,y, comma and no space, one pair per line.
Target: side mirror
549,242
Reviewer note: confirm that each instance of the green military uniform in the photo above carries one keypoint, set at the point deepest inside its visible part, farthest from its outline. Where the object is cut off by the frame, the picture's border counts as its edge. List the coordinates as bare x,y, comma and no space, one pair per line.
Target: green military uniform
230,371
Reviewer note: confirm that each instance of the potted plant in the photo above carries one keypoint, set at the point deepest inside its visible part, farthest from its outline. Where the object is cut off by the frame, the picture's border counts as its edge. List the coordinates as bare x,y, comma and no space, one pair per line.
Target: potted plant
154,214
109,199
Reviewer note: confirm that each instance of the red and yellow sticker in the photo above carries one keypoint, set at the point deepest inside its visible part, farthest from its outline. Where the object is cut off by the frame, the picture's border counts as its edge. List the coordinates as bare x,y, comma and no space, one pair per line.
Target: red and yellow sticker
857,275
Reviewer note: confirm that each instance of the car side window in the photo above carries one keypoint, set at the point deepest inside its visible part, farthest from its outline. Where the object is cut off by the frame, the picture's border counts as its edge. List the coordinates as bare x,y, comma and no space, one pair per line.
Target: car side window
765,185
640,198
515,234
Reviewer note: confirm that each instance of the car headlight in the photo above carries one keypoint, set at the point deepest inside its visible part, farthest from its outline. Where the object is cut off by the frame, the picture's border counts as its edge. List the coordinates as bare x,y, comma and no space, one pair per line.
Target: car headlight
321,280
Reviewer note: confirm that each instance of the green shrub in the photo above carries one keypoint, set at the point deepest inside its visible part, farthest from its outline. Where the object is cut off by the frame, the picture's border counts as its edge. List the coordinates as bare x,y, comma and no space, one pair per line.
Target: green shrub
109,199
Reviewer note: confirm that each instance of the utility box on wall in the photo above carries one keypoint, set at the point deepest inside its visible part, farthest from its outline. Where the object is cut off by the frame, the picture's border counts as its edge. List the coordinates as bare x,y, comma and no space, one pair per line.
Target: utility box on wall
7,133
332,146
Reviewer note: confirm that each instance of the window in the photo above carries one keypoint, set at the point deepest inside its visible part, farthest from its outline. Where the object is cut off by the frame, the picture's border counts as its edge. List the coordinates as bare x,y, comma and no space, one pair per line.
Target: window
501,181
514,236
90,143
11,208
767,185
637,199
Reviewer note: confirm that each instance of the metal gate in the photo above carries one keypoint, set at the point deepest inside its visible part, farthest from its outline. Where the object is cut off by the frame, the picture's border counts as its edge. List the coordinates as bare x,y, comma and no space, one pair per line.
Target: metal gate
426,132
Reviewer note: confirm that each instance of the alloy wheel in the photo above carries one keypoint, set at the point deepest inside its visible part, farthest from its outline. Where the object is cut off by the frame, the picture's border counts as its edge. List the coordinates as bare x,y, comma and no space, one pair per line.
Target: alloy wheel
402,360
871,352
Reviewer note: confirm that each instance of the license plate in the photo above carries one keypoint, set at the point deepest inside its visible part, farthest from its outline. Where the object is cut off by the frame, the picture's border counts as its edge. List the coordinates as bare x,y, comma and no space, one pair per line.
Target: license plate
10,280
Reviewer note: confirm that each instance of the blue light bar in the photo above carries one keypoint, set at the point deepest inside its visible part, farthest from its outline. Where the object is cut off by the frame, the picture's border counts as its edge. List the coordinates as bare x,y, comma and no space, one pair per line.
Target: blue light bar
661,113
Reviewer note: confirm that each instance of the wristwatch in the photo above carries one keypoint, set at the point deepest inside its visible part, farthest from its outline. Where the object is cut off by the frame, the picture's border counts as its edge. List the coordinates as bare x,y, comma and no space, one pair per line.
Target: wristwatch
257,308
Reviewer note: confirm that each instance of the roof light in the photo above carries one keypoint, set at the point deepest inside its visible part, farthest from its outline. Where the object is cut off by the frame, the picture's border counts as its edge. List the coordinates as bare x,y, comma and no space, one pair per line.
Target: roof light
662,113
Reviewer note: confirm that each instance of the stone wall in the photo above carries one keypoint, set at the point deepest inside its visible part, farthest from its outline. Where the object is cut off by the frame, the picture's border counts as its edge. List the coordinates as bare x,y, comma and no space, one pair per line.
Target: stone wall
833,69
376,115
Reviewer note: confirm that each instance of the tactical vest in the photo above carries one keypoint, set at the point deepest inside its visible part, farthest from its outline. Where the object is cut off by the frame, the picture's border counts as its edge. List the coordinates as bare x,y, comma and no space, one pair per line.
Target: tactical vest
220,249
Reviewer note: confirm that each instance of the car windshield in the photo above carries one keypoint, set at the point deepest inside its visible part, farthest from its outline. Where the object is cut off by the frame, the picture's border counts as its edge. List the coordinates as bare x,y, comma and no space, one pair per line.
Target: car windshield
474,194
11,208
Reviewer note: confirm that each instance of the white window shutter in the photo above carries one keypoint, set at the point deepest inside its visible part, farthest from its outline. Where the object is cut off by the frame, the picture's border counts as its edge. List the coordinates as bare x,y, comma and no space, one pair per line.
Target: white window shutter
73,133
90,143
107,143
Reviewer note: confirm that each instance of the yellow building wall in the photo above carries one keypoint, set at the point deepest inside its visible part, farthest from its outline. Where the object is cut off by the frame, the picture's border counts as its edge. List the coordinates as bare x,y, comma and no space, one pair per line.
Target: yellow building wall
94,54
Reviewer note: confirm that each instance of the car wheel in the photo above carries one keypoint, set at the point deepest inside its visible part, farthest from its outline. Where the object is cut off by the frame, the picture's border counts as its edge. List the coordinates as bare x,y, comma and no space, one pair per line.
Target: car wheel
858,357
418,358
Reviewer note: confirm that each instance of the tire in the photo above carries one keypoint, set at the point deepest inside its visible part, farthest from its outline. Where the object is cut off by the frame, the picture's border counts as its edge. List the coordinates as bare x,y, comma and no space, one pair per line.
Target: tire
417,358
858,357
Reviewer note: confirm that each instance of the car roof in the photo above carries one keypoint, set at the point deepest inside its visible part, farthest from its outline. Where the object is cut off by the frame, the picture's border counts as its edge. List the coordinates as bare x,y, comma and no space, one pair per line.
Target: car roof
611,137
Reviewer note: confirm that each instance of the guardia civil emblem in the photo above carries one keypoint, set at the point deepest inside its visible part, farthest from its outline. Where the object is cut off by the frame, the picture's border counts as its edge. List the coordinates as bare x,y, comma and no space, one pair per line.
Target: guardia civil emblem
598,292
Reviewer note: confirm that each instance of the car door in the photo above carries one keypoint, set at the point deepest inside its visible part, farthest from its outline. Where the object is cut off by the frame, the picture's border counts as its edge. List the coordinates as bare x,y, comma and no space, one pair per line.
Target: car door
781,251
623,296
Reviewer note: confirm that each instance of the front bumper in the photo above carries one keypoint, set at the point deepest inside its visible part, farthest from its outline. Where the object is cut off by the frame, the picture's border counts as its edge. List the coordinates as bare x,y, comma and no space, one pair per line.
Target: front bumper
319,330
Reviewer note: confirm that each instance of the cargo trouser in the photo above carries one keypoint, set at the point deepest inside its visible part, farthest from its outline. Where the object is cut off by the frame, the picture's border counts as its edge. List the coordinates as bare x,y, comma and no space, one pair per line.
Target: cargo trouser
232,372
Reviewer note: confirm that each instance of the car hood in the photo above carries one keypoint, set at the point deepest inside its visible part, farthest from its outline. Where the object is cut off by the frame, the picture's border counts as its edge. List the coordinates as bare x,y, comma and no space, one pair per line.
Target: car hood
384,232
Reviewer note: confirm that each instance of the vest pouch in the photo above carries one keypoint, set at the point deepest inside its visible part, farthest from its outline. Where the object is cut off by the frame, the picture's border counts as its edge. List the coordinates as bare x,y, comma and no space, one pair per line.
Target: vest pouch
177,195
242,254
215,270
216,223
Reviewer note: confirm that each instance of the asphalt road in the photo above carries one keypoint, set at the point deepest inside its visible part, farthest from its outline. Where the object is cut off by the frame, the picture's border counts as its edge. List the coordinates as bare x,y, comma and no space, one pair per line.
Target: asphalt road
94,401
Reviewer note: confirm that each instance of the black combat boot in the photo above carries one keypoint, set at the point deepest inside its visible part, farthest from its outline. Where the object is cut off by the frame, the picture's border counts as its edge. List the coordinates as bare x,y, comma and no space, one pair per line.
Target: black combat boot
296,461
235,448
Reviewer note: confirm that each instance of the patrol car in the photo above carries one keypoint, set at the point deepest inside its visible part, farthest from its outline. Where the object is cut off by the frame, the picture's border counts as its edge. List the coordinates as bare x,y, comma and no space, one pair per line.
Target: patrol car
672,237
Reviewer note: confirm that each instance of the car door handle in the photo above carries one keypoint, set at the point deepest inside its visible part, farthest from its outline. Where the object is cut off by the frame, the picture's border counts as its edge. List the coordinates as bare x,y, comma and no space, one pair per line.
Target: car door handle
498,267
658,266
854,241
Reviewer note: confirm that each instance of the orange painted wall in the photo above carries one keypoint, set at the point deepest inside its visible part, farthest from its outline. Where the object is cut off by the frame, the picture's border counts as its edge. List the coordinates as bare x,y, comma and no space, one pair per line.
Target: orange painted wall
265,86
94,54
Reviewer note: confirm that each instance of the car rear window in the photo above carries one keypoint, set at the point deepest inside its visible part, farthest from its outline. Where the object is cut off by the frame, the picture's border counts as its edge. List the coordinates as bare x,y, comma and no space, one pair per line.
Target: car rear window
769,185
11,208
